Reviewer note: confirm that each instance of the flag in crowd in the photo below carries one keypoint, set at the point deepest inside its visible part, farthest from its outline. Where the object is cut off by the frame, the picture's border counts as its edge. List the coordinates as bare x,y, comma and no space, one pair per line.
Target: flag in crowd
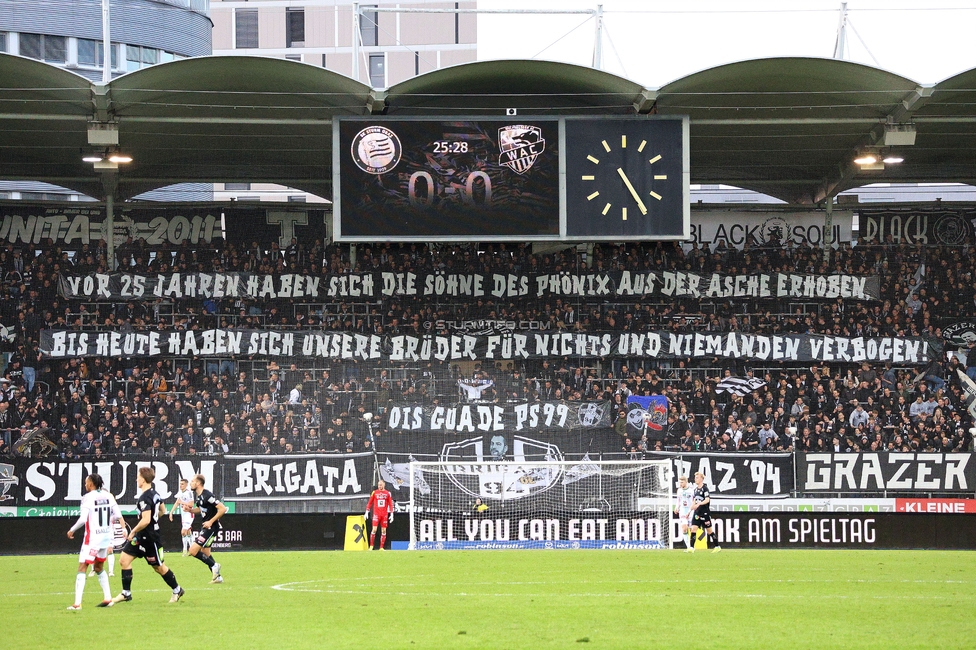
740,386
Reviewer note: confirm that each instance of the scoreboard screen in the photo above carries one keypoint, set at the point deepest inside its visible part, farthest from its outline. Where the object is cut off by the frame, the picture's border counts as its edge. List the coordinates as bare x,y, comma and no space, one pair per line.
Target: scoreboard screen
453,179
570,178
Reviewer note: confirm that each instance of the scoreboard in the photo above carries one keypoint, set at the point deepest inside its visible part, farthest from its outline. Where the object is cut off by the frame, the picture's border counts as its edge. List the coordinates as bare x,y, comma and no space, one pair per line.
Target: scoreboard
510,179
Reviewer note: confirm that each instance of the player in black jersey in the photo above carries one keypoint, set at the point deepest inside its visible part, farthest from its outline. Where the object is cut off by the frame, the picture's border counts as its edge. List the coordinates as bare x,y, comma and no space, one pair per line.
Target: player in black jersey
143,540
700,512
210,510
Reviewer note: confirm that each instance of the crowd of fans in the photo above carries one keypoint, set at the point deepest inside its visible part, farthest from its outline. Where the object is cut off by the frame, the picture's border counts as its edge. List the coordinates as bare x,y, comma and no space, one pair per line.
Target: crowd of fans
106,406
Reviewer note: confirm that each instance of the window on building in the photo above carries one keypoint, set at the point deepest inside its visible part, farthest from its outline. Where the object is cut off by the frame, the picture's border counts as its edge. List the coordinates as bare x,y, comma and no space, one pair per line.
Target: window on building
297,198
377,70
369,26
43,47
294,57
237,187
3,42
246,26
91,53
133,58
295,26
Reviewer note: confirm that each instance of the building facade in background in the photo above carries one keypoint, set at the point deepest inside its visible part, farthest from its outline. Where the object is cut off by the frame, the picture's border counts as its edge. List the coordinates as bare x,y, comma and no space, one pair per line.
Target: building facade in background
68,34
393,47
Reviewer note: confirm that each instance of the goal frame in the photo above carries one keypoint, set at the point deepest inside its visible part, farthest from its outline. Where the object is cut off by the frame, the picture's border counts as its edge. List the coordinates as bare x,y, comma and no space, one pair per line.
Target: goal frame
663,465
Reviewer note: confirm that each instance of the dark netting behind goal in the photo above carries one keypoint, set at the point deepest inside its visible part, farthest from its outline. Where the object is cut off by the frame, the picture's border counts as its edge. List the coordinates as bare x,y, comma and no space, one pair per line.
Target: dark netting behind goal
564,504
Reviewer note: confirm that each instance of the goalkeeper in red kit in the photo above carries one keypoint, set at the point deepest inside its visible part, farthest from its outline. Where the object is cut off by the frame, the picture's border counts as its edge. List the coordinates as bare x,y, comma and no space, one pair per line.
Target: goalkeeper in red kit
381,502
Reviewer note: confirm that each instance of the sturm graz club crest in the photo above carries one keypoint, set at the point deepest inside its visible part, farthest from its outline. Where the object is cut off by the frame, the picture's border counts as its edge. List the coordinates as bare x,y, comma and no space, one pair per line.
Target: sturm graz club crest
376,150
591,414
7,480
775,230
519,146
486,467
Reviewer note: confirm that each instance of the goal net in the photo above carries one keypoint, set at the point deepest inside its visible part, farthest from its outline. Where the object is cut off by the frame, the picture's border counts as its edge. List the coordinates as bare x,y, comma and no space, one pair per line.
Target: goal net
545,505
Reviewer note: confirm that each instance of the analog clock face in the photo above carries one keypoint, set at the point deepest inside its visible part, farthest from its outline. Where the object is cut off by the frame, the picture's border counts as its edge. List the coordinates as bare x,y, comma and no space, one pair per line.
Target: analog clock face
624,178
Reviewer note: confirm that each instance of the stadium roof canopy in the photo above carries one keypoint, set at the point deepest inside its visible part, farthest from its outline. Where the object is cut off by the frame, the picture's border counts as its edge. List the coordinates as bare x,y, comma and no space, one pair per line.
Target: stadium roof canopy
787,127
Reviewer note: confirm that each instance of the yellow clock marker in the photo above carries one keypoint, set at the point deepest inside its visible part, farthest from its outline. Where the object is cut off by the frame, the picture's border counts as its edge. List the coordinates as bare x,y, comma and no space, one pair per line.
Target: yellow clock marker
589,178
656,195
592,196
660,177
625,214
655,159
606,208
606,146
593,160
623,142
643,144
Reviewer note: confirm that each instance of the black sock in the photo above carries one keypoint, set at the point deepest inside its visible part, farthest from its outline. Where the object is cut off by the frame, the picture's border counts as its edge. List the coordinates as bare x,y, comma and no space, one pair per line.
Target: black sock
711,540
126,580
206,559
170,579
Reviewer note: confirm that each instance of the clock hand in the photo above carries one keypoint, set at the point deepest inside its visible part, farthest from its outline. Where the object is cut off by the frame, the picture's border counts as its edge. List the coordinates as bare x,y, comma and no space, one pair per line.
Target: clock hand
633,192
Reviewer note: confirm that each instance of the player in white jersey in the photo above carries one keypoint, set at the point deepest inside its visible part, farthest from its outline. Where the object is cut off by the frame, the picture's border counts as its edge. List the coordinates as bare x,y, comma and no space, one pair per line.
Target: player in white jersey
685,499
184,497
99,513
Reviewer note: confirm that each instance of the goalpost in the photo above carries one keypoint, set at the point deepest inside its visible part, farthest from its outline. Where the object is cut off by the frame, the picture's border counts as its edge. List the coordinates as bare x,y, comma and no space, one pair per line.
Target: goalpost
545,504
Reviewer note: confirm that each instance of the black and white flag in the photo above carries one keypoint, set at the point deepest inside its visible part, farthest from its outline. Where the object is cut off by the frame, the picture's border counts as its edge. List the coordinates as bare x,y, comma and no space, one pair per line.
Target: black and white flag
740,386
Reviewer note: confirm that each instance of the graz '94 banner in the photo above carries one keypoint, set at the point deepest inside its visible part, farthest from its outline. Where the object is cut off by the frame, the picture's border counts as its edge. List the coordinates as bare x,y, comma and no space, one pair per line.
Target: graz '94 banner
62,344
577,286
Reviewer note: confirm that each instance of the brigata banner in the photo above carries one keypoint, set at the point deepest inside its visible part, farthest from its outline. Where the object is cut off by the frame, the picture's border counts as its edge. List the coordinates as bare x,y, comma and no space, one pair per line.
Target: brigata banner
35,484
371,286
886,471
298,477
759,475
63,344
468,418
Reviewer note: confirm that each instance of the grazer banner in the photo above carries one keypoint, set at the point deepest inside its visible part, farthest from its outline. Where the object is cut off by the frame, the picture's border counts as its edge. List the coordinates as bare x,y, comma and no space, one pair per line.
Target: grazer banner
735,229
870,472
524,287
54,482
76,225
758,475
937,225
63,344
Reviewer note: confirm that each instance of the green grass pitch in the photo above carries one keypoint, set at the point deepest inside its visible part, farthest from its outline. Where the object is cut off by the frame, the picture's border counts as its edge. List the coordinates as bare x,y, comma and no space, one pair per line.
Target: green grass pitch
508,599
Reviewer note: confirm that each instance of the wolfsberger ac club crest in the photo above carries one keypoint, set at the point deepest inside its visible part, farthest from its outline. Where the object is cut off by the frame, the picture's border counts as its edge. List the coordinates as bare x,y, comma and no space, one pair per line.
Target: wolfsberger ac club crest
7,479
376,150
492,475
519,146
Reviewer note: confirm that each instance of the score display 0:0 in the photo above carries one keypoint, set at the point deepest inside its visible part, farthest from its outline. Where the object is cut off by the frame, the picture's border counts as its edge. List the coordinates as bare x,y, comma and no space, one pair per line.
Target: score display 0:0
467,195
446,146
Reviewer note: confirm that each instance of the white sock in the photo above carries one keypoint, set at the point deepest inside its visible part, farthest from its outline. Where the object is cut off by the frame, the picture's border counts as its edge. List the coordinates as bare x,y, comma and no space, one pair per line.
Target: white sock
187,542
79,587
687,538
103,581
111,563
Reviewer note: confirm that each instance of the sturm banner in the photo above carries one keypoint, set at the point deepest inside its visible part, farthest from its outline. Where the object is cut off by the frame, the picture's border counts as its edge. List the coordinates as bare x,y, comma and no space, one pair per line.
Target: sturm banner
62,344
586,286
886,472
53,482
